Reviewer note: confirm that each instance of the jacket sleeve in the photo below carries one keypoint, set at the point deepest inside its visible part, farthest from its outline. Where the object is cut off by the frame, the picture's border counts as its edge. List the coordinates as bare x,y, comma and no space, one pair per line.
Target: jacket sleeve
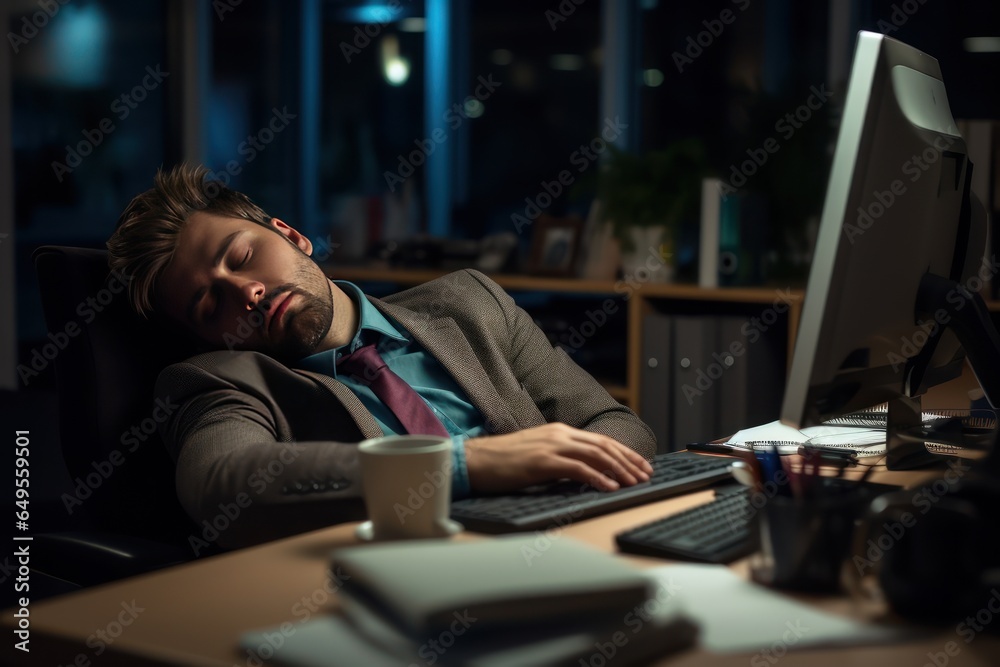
239,475
561,390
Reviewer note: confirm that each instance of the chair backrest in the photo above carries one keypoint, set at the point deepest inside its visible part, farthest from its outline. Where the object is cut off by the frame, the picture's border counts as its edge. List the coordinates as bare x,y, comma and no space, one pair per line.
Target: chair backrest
105,375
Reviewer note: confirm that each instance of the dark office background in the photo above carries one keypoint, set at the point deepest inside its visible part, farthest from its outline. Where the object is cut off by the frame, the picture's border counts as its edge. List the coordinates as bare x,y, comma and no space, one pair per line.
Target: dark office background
314,107
232,67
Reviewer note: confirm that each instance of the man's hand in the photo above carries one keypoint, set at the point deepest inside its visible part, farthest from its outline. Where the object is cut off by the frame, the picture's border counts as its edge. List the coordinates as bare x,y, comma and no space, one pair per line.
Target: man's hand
551,452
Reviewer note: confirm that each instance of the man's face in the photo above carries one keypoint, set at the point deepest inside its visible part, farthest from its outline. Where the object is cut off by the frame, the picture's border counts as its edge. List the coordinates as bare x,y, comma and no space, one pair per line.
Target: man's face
238,285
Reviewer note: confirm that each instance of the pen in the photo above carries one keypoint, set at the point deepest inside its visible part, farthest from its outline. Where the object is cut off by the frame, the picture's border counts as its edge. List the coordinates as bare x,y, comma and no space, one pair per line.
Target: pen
771,468
711,448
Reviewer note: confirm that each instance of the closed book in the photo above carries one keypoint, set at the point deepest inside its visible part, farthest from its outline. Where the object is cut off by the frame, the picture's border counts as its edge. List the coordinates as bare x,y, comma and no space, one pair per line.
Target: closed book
332,640
508,581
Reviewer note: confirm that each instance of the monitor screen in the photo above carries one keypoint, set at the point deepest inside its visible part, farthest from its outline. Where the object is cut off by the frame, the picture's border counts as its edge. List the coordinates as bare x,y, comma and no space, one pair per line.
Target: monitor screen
897,213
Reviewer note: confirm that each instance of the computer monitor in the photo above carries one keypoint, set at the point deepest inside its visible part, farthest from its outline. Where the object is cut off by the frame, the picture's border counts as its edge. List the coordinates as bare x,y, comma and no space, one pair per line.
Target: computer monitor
887,313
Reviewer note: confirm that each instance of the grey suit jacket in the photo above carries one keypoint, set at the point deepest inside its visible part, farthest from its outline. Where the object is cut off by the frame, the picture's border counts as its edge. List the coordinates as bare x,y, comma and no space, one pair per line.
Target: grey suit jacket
264,451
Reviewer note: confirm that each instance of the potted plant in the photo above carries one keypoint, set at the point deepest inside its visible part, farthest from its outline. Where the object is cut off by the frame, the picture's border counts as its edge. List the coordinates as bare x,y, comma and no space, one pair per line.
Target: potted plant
645,198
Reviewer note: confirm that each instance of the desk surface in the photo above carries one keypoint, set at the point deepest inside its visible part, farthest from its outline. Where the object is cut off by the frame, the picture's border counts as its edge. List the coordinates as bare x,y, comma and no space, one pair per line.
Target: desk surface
194,614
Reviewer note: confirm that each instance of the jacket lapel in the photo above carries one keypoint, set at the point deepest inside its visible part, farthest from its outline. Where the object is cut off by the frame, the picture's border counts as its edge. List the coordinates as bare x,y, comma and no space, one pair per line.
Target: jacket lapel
443,340
364,420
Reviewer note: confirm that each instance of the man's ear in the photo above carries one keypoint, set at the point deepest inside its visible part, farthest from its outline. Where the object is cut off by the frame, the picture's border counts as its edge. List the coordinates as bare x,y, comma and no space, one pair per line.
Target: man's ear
292,234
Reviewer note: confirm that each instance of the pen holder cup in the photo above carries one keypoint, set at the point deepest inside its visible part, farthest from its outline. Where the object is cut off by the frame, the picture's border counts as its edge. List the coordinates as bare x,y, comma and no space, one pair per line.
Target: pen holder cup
803,542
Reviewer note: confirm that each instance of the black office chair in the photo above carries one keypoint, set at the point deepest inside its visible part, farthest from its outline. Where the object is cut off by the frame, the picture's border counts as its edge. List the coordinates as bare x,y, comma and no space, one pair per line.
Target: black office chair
131,522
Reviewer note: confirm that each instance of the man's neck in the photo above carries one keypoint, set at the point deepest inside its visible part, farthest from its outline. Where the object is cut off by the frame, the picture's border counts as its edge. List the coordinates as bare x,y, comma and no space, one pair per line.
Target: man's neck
346,319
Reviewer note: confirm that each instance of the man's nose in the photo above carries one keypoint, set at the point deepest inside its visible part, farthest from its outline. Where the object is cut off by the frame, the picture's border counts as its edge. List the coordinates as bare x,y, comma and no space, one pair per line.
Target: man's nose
248,293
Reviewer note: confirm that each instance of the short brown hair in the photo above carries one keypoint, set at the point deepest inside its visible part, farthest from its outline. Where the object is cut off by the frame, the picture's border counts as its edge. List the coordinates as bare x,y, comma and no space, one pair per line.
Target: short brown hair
146,235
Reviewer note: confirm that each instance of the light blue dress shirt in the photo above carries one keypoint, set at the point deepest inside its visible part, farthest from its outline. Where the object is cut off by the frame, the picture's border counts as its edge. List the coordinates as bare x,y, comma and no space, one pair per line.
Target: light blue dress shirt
407,358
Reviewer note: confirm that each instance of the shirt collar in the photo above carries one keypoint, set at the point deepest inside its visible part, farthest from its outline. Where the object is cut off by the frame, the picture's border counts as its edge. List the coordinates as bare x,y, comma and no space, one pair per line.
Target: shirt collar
372,326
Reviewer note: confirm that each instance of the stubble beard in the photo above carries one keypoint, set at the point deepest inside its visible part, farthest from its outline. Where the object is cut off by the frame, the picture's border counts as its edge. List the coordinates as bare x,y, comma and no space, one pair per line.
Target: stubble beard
306,327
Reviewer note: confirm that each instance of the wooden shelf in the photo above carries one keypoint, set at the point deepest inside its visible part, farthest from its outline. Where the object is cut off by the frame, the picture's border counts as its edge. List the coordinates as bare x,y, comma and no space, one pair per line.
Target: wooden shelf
575,285
638,298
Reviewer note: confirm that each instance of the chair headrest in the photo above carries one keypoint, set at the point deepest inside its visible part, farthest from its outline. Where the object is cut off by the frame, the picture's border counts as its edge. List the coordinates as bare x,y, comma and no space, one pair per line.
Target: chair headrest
106,359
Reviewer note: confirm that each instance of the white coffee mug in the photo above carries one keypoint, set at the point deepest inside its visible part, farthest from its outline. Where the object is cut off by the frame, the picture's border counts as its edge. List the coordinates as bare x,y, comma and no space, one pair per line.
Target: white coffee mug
407,487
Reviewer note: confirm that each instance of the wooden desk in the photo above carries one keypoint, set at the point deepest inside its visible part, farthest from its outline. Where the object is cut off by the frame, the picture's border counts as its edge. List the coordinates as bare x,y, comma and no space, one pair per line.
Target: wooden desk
194,614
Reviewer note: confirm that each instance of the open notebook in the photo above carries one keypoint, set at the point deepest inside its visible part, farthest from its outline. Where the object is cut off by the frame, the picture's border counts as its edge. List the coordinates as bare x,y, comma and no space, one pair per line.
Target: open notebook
861,432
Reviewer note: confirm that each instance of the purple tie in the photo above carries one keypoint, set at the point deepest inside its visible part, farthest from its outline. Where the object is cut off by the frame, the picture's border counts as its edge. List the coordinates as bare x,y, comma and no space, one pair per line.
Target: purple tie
413,413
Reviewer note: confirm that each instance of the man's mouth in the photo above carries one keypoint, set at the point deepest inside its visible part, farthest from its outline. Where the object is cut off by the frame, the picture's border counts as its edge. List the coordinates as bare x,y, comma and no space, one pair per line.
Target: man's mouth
277,311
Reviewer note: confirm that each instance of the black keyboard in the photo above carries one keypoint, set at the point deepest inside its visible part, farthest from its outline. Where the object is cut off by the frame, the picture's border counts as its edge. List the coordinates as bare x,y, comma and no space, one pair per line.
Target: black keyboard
564,502
718,532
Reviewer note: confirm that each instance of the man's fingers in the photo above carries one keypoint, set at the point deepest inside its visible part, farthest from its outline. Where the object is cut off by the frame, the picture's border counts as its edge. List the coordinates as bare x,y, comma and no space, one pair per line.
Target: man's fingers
578,471
609,466
631,464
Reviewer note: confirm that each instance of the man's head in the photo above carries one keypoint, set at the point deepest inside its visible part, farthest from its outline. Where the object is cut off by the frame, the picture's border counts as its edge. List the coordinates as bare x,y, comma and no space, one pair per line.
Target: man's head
211,261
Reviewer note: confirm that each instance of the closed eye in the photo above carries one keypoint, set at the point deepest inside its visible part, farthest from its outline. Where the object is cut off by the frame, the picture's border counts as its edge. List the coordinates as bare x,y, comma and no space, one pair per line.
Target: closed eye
240,261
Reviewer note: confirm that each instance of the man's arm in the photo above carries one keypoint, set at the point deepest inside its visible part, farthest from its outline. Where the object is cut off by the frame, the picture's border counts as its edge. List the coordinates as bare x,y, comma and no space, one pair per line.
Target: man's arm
588,431
238,472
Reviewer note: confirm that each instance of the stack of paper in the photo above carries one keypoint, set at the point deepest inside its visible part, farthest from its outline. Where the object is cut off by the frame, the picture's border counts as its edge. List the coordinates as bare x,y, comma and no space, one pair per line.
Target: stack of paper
866,441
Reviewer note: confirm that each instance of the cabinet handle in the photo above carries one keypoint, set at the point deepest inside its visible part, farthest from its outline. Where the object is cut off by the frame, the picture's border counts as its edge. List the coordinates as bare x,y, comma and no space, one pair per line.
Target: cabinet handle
685,362
652,362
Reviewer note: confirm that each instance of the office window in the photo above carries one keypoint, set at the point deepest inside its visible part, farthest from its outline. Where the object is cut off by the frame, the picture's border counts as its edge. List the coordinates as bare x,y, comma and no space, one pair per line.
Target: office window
532,72
727,74
372,136
89,94
253,114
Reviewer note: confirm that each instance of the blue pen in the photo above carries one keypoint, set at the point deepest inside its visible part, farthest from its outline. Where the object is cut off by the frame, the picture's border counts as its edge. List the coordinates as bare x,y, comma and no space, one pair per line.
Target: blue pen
770,463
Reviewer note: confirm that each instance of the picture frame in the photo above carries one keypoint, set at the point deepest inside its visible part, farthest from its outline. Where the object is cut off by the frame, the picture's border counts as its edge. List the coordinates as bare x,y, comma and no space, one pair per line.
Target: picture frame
555,245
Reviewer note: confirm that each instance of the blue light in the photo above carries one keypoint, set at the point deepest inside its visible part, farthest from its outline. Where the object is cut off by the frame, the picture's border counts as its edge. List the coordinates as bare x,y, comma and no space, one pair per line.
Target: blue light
78,44
377,13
